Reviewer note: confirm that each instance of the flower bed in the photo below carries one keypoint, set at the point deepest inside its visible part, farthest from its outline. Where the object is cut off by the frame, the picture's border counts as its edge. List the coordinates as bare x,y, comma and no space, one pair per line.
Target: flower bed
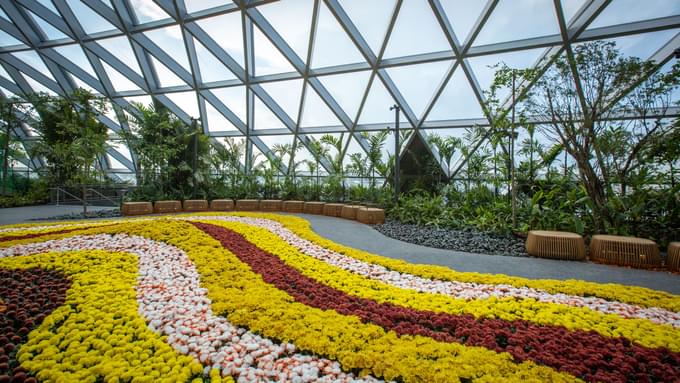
260,297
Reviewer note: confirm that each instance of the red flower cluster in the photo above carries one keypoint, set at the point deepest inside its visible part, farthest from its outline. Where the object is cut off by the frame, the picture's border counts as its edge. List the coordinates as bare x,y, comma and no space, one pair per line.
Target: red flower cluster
29,296
35,235
585,354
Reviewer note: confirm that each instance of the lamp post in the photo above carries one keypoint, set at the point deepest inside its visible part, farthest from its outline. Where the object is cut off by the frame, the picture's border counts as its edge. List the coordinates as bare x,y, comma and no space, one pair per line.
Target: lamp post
513,191
396,109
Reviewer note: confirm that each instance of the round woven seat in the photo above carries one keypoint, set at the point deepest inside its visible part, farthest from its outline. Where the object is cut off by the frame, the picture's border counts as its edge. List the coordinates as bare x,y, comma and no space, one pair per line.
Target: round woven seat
624,251
673,260
556,245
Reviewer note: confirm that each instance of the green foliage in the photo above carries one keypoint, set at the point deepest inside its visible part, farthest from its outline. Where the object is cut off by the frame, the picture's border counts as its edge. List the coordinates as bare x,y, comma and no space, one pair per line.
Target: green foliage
172,156
71,136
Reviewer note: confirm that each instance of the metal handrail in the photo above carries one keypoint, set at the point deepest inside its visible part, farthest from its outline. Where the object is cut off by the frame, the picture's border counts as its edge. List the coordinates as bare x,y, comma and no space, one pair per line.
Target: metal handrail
103,196
59,189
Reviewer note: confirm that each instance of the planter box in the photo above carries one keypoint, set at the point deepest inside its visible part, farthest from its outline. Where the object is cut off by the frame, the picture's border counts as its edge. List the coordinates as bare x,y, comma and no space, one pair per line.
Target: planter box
167,207
270,205
314,207
294,206
222,205
332,209
247,204
350,211
136,208
556,245
624,251
195,205
673,260
370,216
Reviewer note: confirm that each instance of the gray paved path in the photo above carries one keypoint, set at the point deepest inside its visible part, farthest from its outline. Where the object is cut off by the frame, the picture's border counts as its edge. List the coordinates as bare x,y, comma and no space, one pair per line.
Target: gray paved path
13,215
360,236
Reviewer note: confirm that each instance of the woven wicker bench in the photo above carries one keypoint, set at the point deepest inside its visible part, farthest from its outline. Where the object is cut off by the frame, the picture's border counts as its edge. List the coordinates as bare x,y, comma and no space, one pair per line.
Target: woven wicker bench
270,205
247,204
222,205
294,206
673,260
167,207
195,205
314,207
350,211
624,251
332,209
556,245
137,208
370,215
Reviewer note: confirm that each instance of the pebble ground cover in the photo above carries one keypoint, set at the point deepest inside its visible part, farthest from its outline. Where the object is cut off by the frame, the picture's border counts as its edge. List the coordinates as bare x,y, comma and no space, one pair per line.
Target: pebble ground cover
252,297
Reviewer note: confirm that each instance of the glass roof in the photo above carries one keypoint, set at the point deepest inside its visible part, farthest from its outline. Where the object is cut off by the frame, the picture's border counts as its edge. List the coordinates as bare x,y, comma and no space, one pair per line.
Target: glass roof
271,70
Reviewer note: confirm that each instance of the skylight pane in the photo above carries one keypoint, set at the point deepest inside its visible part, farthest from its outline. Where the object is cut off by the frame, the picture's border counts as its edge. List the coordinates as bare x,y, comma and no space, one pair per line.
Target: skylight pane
482,66
120,47
7,40
457,101
199,5
462,15
286,94
216,120
519,19
75,54
171,41
119,81
268,59
626,11
50,31
292,19
185,101
347,89
212,69
643,45
147,11
234,98
332,45
227,32
570,7
32,59
37,86
416,31
90,20
371,19
316,112
377,106
265,118
417,83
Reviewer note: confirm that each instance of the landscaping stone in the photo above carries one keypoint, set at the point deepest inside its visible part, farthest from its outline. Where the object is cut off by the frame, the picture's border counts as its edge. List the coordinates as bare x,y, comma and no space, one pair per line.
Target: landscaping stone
469,240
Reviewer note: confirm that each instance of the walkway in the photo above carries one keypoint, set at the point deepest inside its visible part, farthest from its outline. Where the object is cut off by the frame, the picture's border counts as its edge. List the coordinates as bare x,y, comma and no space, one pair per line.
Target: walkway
360,236
13,215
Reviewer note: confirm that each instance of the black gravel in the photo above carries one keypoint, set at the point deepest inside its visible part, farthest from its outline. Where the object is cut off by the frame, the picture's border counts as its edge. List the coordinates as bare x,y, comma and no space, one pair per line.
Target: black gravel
111,213
469,240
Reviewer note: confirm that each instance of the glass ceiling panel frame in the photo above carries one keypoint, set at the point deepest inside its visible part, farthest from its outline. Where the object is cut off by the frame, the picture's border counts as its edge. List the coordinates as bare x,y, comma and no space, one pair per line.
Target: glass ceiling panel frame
23,28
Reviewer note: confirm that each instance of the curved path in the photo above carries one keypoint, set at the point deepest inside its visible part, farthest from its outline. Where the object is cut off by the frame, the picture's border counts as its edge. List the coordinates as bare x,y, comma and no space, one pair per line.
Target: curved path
360,236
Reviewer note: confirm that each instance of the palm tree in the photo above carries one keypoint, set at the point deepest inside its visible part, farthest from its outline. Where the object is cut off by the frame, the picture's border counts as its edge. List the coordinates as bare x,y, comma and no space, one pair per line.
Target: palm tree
376,142
318,150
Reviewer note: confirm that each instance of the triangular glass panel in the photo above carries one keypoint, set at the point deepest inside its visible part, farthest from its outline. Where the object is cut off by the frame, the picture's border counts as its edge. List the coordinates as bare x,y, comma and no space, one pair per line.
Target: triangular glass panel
417,83
316,112
268,59
513,20
626,11
216,120
457,101
416,31
114,163
462,15
4,74
211,68
166,77
4,15
234,98
120,47
171,41
7,93
90,20
32,59
371,19
7,40
570,7
75,54
287,94
643,45
332,46
36,86
49,5
50,32
82,84
118,80
377,106
147,11
144,100
347,89
227,32
484,71
265,118
199,5
296,34
186,101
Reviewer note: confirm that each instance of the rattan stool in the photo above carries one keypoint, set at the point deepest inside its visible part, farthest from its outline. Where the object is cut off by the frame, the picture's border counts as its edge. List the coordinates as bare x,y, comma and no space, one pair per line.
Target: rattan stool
556,245
624,251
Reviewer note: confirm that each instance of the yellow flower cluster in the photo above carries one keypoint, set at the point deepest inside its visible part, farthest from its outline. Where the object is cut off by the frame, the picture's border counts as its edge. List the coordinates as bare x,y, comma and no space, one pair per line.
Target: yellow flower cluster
248,301
628,294
97,334
640,331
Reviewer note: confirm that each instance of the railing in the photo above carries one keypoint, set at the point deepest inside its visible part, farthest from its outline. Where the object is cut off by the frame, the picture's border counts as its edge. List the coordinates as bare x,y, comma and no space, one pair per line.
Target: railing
87,195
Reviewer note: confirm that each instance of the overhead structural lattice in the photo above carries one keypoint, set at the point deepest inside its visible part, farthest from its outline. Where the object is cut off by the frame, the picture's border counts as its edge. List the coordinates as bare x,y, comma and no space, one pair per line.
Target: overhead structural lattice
291,69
